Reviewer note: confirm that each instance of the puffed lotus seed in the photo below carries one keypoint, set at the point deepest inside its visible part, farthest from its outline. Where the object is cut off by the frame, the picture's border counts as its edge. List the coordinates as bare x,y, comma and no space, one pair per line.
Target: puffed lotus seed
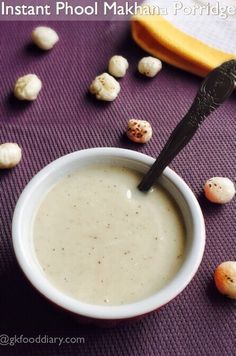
105,87
219,190
44,37
139,131
225,278
149,66
10,155
27,87
118,66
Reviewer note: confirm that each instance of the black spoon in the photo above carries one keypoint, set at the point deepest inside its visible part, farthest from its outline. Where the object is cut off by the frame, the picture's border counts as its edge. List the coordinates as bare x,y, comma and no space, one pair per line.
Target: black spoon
215,89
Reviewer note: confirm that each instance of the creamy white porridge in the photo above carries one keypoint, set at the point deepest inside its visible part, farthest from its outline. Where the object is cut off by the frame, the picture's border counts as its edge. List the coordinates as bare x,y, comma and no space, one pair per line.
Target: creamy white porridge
101,241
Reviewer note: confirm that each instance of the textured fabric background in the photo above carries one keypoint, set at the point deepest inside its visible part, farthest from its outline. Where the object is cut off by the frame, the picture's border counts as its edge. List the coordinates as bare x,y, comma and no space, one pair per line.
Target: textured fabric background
65,118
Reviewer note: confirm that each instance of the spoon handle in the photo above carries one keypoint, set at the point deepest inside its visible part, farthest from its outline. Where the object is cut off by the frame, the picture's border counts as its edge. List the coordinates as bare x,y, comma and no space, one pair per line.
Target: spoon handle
214,90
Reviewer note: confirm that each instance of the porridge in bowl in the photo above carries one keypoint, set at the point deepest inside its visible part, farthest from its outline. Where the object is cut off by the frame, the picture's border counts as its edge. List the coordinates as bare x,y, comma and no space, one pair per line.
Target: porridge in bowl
101,241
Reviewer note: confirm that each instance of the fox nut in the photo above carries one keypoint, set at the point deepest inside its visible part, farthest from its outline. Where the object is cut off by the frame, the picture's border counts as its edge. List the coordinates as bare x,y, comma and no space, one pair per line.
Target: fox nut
219,190
44,37
105,87
139,131
10,155
225,278
118,66
27,87
149,66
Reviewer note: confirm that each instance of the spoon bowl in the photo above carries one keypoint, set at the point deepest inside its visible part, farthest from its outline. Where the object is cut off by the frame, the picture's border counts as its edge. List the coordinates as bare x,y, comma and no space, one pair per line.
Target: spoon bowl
49,176
214,90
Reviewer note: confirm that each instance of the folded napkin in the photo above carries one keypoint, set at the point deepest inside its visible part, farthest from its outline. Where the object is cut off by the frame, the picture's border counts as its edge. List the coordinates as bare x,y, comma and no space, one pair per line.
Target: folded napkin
194,35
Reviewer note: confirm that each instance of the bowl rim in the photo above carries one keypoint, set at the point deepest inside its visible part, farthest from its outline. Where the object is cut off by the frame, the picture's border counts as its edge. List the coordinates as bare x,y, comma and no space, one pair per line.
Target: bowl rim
166,294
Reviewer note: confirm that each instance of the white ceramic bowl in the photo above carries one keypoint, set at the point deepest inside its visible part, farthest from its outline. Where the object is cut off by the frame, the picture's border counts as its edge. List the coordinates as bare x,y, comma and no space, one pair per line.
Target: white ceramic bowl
41,183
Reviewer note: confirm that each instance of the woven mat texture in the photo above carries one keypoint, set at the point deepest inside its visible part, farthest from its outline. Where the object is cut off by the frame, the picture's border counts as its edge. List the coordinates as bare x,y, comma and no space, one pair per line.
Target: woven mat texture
64,119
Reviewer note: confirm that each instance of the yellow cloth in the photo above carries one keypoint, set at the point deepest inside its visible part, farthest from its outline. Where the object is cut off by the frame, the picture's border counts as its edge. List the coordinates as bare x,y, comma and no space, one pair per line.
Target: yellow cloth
159,37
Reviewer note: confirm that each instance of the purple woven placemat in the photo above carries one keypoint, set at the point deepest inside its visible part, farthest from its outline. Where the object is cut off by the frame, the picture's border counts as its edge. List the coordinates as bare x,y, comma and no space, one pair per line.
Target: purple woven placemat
65,119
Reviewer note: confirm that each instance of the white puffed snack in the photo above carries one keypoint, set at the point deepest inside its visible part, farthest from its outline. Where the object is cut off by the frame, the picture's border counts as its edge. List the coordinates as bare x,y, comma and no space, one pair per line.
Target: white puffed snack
44,37
105,87
139,131
118,66
225,278
10,155
219,190
149,66
27,87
